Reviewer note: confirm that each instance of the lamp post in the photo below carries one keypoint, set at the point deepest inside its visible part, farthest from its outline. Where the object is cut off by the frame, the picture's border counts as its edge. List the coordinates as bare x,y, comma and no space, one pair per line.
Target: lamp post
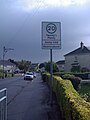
4,52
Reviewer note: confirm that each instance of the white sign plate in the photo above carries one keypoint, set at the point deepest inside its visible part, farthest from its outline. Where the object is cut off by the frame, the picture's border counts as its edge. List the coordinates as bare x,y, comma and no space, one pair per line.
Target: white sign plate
51,35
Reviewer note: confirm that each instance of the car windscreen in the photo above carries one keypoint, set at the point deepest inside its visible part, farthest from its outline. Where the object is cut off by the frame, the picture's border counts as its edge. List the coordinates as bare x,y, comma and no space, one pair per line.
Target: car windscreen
29,73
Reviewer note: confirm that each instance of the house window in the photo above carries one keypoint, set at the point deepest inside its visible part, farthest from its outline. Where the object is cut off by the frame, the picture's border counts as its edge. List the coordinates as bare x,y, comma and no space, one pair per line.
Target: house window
75,65
76,59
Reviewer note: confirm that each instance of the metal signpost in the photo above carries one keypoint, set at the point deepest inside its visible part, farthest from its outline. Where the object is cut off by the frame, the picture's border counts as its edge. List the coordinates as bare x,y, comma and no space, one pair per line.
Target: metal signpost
51,35
51,39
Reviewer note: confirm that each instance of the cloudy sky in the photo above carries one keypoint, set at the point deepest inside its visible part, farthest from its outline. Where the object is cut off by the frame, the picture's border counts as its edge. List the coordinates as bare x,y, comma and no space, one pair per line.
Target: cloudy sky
20,27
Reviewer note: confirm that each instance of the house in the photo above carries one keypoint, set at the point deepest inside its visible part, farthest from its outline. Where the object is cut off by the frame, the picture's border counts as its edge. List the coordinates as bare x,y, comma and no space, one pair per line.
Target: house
78,59
61,64
8,66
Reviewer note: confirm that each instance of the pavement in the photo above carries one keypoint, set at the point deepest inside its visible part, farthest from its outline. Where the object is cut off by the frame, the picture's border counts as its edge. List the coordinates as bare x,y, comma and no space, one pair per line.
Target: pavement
33,103
85,81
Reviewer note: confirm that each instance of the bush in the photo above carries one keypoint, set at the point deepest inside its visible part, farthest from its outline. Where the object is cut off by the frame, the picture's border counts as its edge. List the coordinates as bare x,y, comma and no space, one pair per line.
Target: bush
84,69
86,97
67,76
75,80
55,67
44,77
84,91
82,75
1,75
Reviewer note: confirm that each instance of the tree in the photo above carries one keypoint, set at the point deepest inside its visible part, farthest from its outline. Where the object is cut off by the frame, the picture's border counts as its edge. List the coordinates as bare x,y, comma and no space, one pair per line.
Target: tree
42,65
55,67
12,61
24,65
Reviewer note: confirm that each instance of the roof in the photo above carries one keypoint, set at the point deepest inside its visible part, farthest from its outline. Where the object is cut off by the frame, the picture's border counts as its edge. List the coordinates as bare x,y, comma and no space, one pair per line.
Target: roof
61,62
6,62
79,51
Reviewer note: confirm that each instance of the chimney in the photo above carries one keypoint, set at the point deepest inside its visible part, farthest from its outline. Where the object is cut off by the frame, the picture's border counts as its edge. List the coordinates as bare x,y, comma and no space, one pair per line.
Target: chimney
81,45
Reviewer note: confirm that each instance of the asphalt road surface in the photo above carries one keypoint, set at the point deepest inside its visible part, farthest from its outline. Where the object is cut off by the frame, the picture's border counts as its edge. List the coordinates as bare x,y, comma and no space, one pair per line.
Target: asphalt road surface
29,100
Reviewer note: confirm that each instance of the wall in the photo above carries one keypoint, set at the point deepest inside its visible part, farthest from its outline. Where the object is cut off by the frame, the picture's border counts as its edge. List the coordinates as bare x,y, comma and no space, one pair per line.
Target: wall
83,60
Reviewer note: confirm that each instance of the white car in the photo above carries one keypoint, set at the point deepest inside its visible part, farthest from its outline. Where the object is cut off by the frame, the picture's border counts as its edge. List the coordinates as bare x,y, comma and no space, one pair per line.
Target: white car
28,76
34,74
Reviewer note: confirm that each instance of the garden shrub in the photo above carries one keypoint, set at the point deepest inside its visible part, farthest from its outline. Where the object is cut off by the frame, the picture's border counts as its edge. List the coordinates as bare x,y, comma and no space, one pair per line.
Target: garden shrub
82,75
75,80
1,75
73,107
67,76
84,91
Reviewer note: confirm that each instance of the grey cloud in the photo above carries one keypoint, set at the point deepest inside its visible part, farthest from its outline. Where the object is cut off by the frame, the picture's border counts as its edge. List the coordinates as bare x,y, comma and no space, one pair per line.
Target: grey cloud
21,30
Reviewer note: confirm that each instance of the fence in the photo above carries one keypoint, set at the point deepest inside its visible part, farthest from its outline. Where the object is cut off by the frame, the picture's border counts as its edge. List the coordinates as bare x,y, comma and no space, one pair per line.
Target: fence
3,104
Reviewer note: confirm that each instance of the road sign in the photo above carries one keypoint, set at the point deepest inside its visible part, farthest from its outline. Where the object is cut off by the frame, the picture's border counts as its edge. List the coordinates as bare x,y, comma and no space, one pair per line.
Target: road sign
51,35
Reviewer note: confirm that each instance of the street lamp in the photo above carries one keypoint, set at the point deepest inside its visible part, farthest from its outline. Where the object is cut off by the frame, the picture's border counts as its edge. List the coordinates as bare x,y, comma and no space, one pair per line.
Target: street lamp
4,52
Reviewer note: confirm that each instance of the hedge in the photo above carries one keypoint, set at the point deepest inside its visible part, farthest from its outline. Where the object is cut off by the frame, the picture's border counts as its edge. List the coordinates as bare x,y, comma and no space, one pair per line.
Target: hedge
73,107
81,74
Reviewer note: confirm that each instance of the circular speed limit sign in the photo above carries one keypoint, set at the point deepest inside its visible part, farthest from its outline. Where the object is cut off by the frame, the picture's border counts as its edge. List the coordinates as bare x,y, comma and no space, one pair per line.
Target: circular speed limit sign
51,28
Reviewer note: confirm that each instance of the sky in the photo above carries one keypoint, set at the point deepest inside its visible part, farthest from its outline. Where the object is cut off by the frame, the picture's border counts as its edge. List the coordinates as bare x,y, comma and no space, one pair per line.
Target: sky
20,27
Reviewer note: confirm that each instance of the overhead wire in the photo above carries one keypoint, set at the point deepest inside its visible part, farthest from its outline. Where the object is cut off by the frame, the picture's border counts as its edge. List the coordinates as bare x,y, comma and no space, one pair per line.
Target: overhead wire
24,22
13,38
32,14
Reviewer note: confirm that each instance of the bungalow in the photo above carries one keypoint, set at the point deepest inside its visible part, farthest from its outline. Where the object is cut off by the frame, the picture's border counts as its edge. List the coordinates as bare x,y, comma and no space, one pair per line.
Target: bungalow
8,66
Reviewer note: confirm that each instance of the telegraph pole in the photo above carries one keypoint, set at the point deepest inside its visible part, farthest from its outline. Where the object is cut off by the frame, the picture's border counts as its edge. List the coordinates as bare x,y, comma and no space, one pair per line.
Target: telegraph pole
4,52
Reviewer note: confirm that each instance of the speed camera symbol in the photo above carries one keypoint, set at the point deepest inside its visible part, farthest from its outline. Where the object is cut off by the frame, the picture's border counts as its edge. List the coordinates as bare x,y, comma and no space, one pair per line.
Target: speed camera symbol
51,28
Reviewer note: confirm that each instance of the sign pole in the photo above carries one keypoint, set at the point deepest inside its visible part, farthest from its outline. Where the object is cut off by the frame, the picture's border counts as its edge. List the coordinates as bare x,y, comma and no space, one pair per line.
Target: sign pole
51,76
51,39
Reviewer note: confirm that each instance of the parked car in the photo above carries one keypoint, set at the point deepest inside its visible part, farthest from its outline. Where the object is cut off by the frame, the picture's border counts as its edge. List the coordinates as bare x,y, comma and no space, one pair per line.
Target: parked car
28,76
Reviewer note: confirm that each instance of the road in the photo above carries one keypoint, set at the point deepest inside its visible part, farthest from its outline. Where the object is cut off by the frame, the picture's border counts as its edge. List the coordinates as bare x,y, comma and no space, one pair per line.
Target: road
29,100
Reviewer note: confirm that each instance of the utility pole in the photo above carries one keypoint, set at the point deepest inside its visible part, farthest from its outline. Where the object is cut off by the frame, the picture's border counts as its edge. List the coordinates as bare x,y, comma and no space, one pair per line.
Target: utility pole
4,52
